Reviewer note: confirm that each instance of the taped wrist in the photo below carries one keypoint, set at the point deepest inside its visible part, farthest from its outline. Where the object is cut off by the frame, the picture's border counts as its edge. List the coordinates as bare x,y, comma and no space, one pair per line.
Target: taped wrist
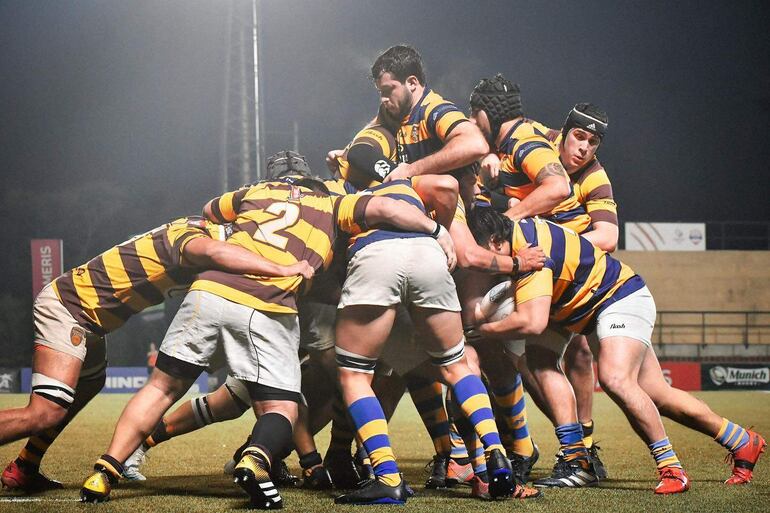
370,161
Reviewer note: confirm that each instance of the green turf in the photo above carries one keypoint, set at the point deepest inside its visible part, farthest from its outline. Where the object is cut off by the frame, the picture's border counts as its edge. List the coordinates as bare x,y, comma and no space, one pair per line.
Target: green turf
185,474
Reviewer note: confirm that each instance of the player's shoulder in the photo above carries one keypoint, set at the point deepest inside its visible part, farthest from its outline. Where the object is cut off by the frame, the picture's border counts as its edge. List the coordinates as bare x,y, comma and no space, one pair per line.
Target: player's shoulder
594,172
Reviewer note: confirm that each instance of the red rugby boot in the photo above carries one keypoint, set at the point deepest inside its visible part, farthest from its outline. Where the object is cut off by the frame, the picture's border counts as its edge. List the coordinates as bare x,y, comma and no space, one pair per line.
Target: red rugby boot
15,478
672,480
745,458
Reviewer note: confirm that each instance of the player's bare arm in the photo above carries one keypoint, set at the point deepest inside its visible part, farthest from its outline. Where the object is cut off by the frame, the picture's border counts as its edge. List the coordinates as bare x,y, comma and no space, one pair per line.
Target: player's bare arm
529,318
552,188
382,210
604,235
211,254
464,145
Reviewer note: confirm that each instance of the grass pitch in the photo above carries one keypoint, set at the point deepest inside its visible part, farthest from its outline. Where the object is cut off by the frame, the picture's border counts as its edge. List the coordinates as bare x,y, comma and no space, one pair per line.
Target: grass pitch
185,474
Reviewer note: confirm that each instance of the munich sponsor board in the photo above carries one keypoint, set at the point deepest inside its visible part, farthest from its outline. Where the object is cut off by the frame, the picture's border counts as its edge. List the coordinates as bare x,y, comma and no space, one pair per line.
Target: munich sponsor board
125,380
735,376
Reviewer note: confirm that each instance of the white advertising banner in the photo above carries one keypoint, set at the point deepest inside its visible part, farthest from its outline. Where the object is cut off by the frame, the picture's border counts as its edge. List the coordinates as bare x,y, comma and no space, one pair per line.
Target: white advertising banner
666,236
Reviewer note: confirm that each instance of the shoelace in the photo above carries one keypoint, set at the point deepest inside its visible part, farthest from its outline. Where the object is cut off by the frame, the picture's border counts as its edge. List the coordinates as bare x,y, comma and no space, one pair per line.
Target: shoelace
668,473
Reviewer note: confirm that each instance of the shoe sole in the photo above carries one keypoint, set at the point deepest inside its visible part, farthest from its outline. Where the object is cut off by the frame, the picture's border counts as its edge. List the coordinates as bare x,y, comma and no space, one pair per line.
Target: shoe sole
91,497
562,485
257,491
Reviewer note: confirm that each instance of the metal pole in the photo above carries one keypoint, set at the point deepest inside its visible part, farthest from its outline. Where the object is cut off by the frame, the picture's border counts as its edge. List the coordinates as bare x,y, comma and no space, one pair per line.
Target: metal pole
257,120
295,133
223,143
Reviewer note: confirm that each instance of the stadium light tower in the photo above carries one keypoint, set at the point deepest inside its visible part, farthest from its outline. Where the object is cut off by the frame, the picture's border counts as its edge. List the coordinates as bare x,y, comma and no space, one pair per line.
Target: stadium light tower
240,142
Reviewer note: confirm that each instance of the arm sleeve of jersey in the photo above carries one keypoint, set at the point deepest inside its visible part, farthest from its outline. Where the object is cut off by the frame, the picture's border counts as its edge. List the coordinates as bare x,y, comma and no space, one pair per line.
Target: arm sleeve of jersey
179,237
225,207
535,284
442,120
370,160
459,216
596,192
350,212
530,156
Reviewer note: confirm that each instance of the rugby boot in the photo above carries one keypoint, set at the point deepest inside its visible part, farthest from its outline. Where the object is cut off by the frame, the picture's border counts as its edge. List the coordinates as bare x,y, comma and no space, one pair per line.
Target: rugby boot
252,474
131,466
577,473
281,476
745,458
16,477
376,492
316,478
98,485
672,480
342,470
457,474
479,488
500,474
522,465
438,472
593,456
526,492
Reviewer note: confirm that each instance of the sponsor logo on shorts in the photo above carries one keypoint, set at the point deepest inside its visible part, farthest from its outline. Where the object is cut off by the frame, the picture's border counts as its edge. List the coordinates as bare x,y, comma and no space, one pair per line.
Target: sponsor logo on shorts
77,335
614,326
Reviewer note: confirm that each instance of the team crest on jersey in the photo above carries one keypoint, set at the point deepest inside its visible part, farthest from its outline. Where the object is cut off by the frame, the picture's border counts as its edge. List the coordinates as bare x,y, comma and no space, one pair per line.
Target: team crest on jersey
295,193
415,133
77,335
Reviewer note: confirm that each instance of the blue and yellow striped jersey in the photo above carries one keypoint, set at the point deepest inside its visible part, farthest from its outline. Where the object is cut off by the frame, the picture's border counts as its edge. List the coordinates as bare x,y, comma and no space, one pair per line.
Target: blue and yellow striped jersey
283,223
524,151
581,279
104,292
397,189
427,126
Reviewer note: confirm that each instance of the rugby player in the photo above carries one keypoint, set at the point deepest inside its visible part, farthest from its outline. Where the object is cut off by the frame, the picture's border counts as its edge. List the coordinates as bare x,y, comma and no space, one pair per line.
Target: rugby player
374,287
582,289
433,135
250,321
74,313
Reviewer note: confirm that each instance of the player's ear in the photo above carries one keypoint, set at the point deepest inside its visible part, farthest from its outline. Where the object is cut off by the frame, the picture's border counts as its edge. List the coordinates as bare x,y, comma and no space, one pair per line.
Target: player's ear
412,83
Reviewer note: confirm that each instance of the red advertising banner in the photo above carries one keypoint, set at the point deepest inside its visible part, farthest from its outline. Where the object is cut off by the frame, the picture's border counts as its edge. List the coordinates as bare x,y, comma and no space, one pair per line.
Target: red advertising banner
681,375
47,262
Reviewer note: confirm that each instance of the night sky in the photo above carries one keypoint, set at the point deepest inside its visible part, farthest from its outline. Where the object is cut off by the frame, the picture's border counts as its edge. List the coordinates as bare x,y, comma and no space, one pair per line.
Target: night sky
111,111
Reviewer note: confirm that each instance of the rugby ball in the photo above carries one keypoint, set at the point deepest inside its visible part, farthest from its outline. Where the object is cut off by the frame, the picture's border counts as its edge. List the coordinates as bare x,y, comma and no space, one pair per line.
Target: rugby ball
498,303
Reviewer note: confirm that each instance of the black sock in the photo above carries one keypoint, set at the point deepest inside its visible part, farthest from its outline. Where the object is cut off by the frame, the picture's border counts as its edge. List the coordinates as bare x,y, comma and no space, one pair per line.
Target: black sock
159,435
272,433
310,460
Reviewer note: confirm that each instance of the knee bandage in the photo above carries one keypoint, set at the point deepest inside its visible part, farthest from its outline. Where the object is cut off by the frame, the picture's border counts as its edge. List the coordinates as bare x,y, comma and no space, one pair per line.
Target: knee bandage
449,356
355,362
53,390
202,411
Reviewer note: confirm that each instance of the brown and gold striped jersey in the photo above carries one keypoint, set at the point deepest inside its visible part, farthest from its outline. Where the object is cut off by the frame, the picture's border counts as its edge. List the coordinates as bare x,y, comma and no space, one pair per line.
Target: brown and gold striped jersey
285,224
104,292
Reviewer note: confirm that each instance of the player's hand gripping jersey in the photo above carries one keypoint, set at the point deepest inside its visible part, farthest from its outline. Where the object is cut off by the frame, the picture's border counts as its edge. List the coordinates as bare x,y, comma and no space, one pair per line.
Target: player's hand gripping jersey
283,223
103,293
523,153
581,278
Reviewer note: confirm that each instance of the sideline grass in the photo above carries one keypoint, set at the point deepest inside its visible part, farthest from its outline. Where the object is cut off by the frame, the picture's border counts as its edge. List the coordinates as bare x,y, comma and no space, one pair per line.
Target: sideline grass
185,474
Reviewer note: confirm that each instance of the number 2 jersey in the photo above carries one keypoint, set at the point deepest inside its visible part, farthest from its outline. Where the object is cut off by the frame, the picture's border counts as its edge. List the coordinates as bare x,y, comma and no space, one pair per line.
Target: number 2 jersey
104,292
581,279
285,224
